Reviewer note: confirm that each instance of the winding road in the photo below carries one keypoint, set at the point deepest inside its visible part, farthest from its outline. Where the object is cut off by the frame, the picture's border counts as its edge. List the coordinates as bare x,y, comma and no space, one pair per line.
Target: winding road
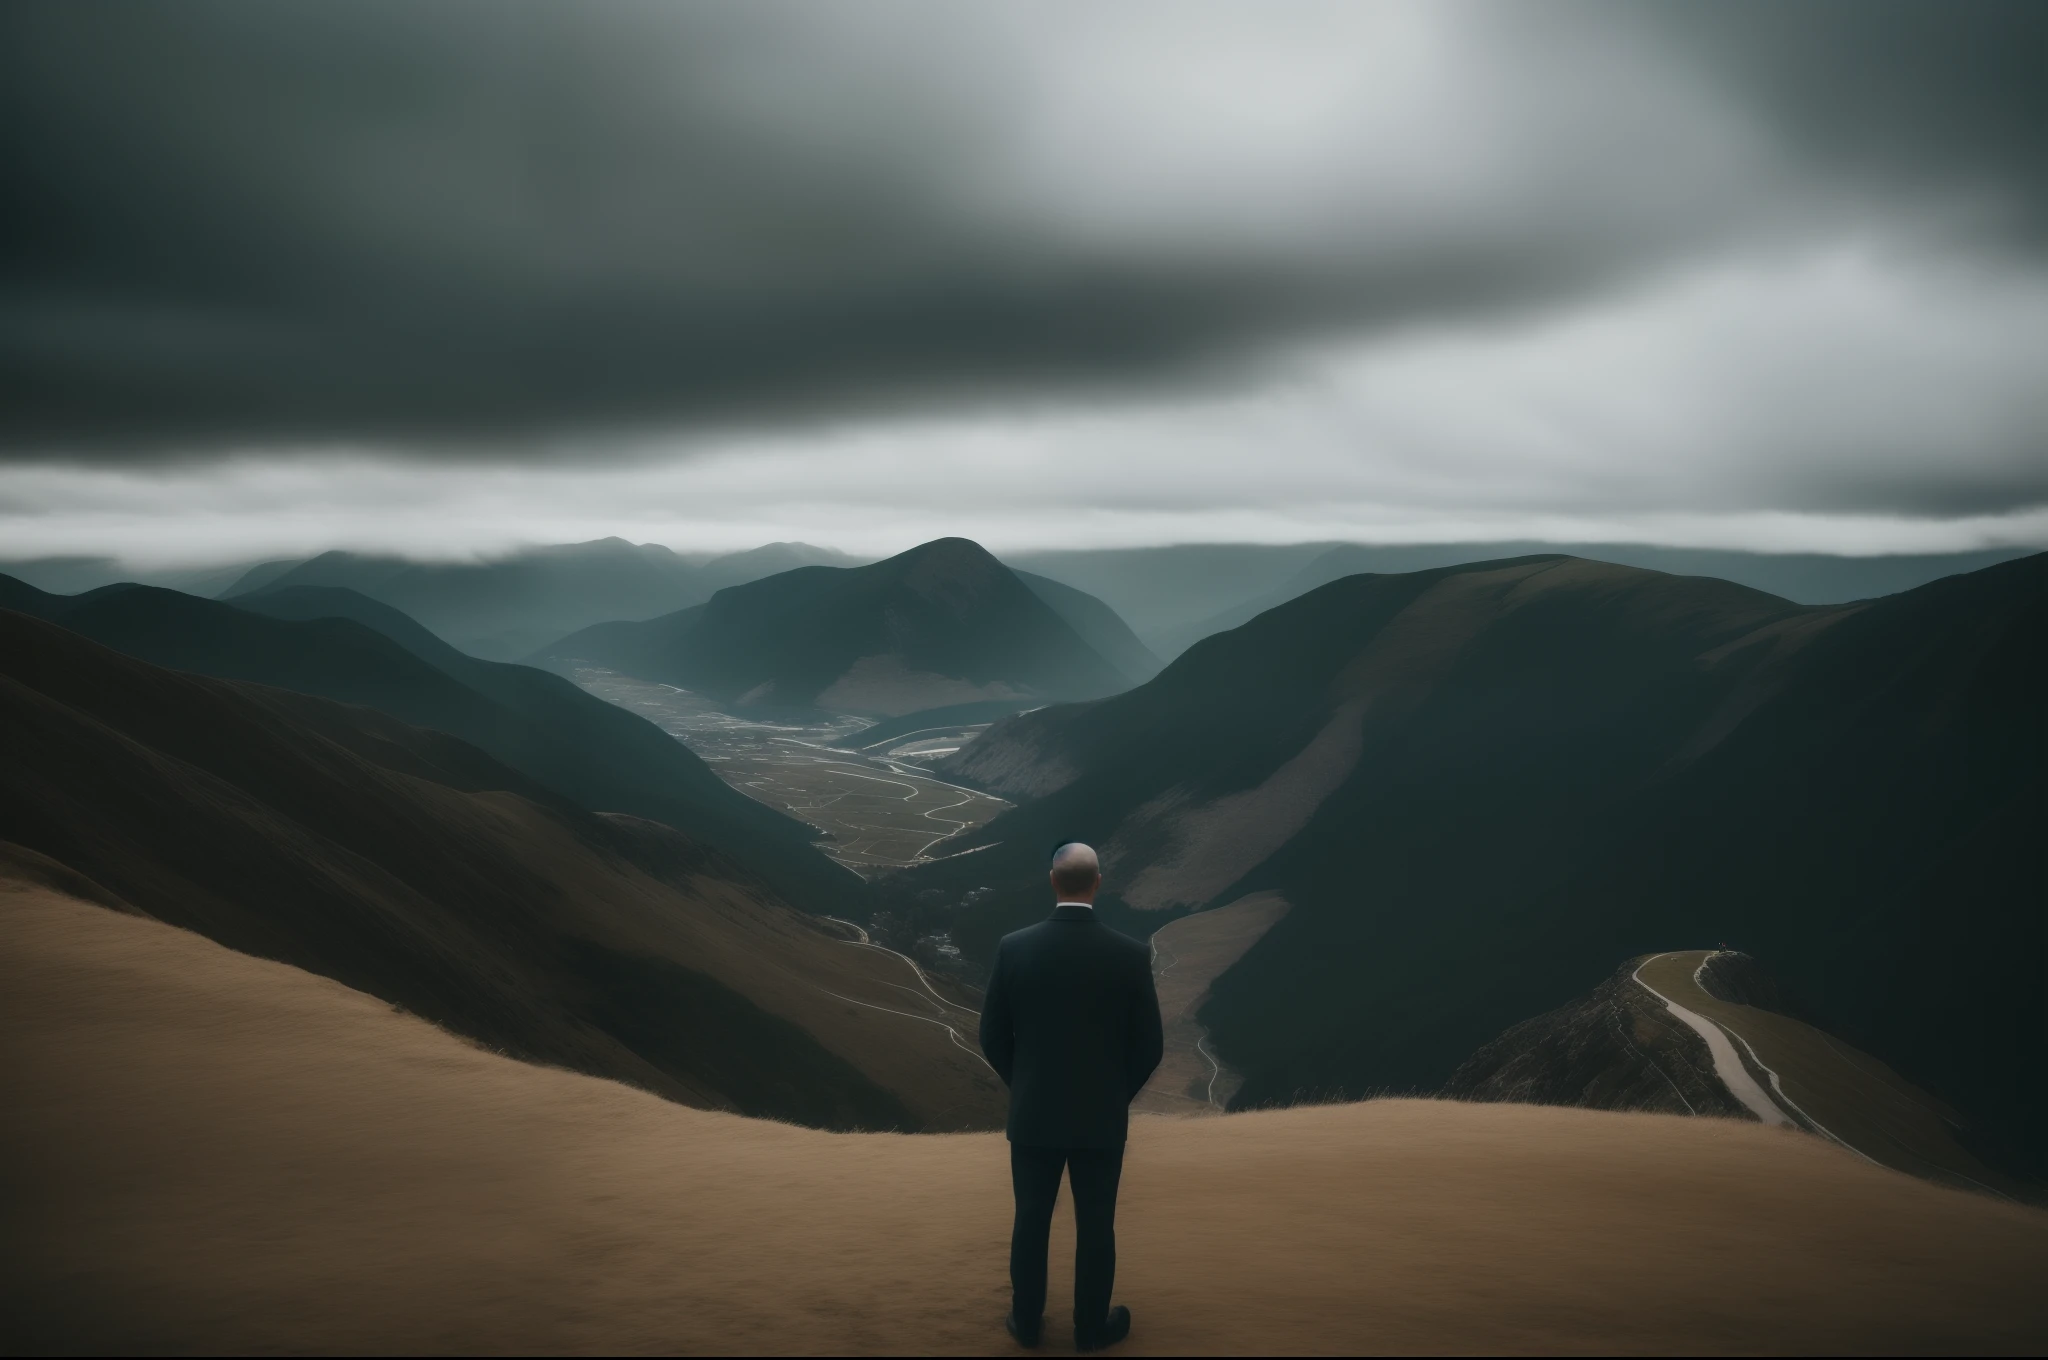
930,994
876,808
1773,1106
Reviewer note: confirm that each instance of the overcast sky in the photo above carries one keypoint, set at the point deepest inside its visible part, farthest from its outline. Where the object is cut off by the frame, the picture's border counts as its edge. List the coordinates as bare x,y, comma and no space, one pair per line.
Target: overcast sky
451,277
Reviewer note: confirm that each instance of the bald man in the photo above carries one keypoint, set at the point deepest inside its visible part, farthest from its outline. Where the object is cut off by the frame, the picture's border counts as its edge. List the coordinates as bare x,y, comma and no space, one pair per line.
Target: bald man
1071,1024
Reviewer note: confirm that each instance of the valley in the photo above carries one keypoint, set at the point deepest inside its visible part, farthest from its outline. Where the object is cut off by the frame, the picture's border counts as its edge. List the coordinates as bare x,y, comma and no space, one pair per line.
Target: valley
756,679
877,807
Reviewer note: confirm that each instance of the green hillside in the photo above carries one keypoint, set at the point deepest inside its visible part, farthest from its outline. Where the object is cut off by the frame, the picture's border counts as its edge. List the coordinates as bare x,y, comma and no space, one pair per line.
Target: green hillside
340,645
1480,785
505,607
408,864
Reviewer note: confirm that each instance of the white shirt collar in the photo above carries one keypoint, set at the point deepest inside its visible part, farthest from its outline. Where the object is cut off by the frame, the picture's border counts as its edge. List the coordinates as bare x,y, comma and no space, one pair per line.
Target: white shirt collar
1085,906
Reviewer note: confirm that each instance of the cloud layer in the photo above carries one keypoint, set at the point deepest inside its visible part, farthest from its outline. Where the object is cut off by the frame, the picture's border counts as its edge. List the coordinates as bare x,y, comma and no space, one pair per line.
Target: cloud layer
1284,269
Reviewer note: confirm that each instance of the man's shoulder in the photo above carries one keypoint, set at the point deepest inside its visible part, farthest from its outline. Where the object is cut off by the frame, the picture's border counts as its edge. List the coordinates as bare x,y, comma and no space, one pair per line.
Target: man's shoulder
1022,935
1099,934
1136,952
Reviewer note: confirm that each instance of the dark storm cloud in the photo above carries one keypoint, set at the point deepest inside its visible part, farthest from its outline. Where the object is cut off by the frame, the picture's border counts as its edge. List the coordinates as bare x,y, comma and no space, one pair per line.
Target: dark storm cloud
466,228
1922,98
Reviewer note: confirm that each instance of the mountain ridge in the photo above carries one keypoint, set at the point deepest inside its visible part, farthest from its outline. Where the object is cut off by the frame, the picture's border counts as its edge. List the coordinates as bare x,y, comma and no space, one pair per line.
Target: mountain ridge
408,864
344,646
501,608
942,624
1569,762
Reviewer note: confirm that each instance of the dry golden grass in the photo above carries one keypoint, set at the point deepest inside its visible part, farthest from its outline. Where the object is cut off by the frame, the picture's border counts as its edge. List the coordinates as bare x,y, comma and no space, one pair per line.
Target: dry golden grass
206,1151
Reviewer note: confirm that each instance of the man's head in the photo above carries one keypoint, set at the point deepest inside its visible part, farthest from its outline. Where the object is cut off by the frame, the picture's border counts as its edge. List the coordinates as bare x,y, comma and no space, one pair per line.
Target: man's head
1075,873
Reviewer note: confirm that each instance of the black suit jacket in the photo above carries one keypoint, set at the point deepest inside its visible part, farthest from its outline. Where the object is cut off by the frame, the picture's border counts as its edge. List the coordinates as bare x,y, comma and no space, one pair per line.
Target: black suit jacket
1071,1024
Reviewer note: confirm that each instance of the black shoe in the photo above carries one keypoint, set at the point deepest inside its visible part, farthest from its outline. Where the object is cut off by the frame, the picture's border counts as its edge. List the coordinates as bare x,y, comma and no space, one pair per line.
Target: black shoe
1027,1336
1114,1329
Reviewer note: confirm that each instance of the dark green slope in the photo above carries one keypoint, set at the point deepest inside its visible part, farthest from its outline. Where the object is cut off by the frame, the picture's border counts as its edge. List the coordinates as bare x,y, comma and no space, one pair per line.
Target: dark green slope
24,598
944,609
339,645
304,603
507,607
504,608
340,840
1098,626
1236,707
1612,762
1174,597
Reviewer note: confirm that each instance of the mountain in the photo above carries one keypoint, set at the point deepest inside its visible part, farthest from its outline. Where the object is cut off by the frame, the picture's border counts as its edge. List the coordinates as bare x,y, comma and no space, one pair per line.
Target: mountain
1805,578
1098,626
1161,592
770,559
340,645
407,864
76,574
505,608
943,624
207,1153
1478,786
24,598
1710,1032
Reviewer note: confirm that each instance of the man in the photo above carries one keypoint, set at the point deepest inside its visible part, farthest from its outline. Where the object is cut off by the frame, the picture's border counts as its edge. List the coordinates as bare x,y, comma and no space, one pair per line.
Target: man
1071,1024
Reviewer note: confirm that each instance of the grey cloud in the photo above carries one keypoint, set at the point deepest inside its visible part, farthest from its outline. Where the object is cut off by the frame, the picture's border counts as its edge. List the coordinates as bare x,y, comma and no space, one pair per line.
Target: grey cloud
471,228
1927,99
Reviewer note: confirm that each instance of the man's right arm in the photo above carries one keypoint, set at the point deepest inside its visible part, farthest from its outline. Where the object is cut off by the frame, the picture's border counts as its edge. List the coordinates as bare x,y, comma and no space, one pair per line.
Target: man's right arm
998,1034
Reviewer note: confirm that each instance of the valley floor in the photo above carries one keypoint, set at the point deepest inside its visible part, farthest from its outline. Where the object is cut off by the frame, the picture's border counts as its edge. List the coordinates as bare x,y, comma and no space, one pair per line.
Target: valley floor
206,1151
875,810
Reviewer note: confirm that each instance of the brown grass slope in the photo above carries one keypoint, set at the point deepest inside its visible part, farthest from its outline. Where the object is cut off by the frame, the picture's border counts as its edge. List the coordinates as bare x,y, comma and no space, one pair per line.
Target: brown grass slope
344,646
409,865
205,1151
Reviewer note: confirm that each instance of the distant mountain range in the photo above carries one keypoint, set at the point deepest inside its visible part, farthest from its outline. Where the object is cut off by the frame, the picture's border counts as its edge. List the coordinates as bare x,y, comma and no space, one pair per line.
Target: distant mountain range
1478,786
410,865
341,645
1165,599
1176,596
505,608
942,625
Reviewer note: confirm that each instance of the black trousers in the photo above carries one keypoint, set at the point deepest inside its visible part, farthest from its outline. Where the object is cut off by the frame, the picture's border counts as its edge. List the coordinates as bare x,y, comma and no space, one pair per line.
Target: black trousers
1035,1176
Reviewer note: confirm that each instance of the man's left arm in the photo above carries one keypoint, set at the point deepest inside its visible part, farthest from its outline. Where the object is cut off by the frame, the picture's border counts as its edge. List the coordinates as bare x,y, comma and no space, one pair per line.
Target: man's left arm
998,1030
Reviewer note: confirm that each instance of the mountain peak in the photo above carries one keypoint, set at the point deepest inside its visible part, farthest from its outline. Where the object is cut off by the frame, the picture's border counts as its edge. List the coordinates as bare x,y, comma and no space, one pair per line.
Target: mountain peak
954,558
961,551
942,623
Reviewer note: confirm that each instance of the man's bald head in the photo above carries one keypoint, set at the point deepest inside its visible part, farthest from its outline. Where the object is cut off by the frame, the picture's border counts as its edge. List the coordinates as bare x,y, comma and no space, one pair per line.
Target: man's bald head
1075,872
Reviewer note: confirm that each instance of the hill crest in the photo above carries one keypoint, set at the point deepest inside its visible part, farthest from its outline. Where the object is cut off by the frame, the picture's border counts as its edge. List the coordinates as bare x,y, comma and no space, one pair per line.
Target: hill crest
944,623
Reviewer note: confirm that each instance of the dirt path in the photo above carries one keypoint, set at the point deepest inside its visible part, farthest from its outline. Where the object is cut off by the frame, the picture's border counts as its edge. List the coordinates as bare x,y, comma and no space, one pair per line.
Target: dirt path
205,1151
947,1010
1812,1080
1188,955
1727,1066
